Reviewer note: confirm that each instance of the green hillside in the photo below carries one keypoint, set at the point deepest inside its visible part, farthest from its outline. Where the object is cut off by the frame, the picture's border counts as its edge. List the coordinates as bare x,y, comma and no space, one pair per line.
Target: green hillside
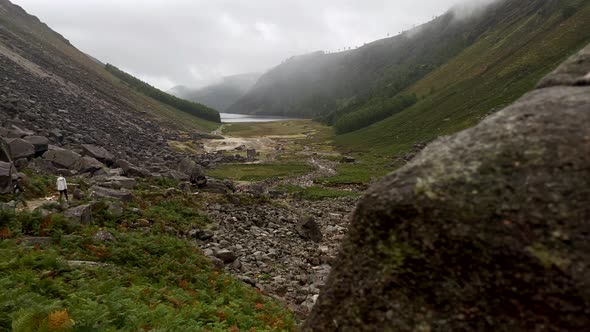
506,62
186,106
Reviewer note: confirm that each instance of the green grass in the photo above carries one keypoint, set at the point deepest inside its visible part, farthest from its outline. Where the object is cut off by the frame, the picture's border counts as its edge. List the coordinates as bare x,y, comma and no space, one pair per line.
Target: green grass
279,128
499,68
367,170
317,193
259,172
148,280
149,283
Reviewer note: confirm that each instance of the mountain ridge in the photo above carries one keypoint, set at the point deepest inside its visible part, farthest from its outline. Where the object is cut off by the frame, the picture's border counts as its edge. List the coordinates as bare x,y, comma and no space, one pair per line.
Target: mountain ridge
220,95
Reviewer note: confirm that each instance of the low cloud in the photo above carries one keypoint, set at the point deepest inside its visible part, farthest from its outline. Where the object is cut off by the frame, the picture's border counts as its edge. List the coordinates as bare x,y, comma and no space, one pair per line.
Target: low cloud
471,8
196,42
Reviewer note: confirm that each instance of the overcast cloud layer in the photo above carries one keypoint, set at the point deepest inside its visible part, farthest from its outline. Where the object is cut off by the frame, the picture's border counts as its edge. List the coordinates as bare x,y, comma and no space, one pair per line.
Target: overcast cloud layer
195,42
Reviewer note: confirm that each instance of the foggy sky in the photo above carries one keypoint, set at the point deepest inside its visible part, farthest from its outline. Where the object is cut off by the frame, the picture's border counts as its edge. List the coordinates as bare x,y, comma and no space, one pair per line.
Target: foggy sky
196,42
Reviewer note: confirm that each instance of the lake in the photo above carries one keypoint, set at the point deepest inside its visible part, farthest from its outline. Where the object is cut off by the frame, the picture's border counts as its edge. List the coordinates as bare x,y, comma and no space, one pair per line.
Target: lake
234,118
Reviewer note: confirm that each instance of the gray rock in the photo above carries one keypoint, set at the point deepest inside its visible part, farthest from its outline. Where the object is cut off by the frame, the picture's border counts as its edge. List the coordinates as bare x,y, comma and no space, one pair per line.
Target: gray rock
62,158
79,195
80,214
98,153
127,183
40,143
138,172
573,72
482,231
309,229
214,186
88,165
115,209
104,236
19,148
100,192
190,168
17,132
185,187
226,255
217,263
43,166
200,234
178,176
34,241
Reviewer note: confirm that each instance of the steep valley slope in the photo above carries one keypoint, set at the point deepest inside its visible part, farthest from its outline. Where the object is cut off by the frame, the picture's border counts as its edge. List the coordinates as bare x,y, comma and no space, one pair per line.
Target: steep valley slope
459,67
50,86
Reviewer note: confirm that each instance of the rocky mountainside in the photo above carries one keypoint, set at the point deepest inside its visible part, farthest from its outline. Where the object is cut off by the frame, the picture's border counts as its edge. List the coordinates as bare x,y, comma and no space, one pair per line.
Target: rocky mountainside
367,79
50,88
485,230
219,96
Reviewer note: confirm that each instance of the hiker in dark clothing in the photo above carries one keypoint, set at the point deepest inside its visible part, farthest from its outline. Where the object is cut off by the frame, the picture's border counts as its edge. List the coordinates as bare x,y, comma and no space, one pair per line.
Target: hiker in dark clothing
19,192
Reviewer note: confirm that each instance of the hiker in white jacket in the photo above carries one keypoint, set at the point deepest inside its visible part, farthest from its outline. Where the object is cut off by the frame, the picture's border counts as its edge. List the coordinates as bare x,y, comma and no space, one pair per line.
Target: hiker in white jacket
62,187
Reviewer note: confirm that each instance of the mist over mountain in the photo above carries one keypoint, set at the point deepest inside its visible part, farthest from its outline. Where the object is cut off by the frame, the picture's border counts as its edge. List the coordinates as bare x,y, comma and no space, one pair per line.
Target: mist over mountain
219,96
328,85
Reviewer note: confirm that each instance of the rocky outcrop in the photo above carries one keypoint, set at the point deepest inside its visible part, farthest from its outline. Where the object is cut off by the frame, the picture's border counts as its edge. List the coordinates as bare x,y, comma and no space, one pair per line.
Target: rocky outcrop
486,230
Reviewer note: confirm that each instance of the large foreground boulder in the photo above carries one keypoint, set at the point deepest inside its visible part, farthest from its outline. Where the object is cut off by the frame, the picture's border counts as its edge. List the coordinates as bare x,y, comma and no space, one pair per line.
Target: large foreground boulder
487,230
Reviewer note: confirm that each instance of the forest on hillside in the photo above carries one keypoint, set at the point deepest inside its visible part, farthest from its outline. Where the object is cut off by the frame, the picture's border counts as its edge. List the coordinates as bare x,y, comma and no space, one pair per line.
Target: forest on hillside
193,108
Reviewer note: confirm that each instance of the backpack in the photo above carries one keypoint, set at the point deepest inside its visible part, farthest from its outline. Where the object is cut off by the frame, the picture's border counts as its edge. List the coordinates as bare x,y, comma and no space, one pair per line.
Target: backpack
18,188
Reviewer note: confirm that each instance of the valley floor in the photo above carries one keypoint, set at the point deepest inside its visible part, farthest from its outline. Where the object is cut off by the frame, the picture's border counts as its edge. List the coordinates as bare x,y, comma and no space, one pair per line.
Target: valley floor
277,233
293,159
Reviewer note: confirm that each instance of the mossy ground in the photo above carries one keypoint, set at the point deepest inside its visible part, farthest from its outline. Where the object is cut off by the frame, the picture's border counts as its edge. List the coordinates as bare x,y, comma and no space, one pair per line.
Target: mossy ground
259,172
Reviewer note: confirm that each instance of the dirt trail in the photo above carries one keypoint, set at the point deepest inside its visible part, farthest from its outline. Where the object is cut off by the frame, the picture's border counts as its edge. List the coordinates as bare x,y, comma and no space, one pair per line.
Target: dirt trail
229,143
36,203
